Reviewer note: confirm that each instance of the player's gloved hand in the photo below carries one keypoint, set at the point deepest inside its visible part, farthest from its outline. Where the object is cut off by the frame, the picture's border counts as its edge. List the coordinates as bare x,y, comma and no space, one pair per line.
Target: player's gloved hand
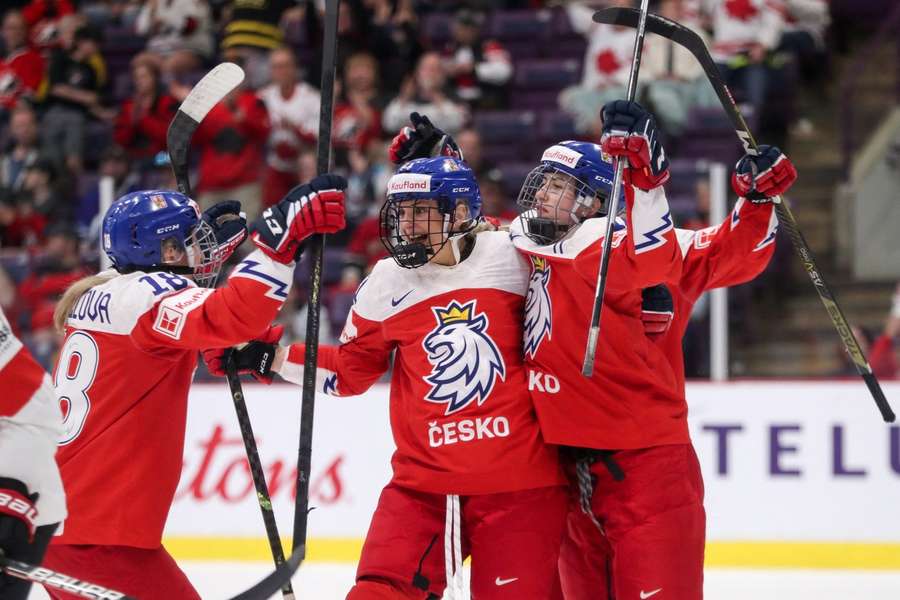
309,208
256,358
229,225
17,516
764,177
630,132
657,309
422,140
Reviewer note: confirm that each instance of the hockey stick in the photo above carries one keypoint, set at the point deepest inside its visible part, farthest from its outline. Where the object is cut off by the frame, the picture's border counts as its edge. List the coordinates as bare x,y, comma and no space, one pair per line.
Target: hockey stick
590,352
686,38
58,581
317,247
256,471
274,581
208,92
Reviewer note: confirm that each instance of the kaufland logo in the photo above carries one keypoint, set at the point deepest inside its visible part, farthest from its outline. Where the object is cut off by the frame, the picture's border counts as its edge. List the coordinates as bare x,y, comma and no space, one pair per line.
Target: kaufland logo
409,182
563,155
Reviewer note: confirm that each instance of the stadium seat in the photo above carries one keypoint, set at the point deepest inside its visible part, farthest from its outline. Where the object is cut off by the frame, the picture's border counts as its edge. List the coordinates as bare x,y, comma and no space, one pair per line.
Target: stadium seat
514,174
515,126
437,29
556,125
532,25
547,74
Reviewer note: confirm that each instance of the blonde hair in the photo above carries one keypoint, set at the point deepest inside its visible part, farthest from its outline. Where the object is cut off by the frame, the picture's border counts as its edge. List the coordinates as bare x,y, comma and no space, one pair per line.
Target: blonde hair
71,296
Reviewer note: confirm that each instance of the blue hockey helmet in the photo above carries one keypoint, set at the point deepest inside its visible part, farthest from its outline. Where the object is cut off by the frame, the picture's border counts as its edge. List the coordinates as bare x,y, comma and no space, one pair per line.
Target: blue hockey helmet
140,225
577,166
447,181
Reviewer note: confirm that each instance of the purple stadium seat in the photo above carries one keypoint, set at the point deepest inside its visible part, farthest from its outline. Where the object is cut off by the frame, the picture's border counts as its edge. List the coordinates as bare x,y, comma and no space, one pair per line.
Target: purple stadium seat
724,150
521,25
536,100
573,48
437,29
122,40
514,174
522,50
682,206
562,27
547,74
339,304
555,125
514,126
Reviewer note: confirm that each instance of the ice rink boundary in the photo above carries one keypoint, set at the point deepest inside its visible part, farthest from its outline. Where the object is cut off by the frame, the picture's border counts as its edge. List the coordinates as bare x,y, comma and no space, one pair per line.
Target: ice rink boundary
755,554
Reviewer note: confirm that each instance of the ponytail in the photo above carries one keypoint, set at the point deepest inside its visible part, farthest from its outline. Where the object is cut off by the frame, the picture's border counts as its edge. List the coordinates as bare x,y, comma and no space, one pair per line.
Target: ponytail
71,296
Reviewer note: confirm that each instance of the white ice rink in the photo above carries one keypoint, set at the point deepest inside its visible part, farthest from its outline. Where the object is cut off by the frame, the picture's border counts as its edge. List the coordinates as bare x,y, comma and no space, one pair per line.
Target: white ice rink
330,581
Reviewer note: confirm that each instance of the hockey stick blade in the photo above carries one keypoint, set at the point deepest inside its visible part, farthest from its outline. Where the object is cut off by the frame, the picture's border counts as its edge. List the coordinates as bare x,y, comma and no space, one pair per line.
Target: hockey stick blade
692,42
208,92
275,580
58,581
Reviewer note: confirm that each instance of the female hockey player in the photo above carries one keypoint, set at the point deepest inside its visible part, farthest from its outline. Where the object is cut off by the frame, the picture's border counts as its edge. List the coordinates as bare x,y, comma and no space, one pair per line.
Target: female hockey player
731,253
471,473
122,377
32,502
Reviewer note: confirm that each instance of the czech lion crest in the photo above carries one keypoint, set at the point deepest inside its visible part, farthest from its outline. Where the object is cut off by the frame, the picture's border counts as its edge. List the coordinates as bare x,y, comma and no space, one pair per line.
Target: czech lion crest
538,309
465,360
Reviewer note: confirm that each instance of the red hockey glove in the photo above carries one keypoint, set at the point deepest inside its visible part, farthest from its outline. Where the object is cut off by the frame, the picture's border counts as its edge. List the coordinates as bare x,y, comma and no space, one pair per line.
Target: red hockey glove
422,140
256,358
764,177
657,309
229,225
17,516
630,132
314,207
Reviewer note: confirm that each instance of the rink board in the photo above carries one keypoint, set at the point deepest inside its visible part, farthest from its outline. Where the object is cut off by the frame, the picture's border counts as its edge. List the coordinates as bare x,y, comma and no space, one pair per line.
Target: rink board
797,474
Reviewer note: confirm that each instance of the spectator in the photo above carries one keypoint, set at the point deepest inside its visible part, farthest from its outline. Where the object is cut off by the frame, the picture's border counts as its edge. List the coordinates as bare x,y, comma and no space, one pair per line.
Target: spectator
252,30
73,96
22,67
366,183
293,107
180,32
880,350
144,118
43,186
744,33
425,92
469,141
479,69
231,141
23,129
494,202
607,64
674,81
357,113
44,18
112,13
806,22
20,225
114,163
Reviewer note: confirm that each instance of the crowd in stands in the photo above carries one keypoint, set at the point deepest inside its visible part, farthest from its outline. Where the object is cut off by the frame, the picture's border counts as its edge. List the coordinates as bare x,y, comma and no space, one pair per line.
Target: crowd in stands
88,88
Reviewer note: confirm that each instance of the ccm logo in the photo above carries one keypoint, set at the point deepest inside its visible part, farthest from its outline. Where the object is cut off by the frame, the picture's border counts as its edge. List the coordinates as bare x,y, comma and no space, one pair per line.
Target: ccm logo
542,382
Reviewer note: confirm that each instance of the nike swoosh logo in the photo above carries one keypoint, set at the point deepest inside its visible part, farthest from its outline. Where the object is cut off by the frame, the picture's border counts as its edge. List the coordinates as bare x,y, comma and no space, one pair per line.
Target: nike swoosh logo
499,581
402,298
646,595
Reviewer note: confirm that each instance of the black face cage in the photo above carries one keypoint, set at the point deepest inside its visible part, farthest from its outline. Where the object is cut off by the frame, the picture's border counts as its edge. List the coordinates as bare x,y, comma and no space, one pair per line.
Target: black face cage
542,219
415,251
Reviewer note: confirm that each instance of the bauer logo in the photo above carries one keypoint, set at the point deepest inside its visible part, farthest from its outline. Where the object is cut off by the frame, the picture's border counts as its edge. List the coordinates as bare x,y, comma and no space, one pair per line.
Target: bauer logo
465,360
563,155
409,182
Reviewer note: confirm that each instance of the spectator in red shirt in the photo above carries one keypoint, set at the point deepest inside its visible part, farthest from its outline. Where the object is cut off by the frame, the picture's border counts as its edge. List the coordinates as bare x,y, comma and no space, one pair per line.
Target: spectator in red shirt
144,118
880,350
43,17
22,68
231,141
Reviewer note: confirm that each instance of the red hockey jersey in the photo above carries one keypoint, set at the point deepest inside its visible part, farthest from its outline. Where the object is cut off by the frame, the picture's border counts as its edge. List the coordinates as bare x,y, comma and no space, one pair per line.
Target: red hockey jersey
461,416
30,423
122,379
731,253
631,400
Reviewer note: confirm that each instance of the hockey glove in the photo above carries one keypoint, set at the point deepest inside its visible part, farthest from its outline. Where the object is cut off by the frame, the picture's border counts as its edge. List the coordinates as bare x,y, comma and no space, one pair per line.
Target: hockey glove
17,516
256,358
422,140
314,207
630,132
764,177
229,225
657,309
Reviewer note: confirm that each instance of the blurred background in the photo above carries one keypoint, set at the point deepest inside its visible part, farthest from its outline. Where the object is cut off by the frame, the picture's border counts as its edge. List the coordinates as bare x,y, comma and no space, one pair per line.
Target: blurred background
87,89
